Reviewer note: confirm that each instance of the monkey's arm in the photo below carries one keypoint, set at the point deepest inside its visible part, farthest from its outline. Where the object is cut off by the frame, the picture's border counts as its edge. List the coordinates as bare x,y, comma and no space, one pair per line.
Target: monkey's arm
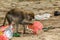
27,23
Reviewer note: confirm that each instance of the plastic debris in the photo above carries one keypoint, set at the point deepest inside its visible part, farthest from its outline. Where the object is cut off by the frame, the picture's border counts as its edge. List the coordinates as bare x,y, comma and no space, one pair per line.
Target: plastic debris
45,29
16,35
1,33
35,27
56,13
9,32
3,37
42,17
6,32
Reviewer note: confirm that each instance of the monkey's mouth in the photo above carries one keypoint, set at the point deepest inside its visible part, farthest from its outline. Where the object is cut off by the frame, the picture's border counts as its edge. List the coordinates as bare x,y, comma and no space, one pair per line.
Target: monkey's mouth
30,19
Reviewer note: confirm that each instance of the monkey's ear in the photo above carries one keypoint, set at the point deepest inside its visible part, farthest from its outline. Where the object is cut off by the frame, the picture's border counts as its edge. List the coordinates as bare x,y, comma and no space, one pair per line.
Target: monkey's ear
32,15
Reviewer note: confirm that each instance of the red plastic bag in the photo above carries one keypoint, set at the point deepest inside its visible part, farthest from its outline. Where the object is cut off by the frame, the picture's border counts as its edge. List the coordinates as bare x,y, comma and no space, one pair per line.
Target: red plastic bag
7,31
3,37
3,28
36,26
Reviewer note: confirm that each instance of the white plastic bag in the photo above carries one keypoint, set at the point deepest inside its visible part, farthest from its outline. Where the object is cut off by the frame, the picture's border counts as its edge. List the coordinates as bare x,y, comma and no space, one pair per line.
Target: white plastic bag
42,17
9,32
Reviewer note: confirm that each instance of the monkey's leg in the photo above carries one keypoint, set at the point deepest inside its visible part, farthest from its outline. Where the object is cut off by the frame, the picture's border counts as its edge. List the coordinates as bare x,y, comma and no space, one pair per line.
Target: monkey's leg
4,21
9,19
17,25
24,31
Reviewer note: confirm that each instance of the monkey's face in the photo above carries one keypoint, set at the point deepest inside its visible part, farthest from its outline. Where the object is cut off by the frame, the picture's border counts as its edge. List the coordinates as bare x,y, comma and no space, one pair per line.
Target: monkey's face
30,16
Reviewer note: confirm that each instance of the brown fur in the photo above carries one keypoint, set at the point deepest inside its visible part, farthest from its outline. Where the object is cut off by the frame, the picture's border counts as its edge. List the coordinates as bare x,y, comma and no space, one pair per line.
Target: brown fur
18,16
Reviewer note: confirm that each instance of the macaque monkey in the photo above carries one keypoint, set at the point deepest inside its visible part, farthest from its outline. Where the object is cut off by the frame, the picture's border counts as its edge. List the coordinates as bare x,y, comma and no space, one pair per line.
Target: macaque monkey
18,16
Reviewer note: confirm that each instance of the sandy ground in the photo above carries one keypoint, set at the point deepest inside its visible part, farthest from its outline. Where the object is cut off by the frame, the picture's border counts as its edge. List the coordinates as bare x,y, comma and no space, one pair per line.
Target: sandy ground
39,8
50,35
